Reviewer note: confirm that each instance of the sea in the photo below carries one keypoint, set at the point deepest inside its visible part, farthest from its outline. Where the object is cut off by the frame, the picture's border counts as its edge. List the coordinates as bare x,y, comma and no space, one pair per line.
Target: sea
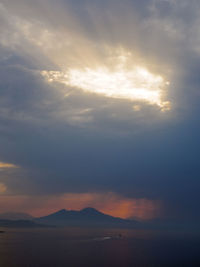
83,247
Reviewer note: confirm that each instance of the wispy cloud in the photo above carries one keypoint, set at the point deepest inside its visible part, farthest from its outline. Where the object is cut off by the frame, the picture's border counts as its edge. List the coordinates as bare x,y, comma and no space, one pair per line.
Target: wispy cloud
4,165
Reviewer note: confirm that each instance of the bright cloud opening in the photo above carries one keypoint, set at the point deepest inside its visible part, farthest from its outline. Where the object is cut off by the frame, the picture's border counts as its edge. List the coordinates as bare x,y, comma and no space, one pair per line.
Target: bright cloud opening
136,84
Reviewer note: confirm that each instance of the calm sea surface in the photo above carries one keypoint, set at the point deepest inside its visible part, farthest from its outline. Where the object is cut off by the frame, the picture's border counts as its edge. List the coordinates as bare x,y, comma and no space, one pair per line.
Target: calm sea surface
73,247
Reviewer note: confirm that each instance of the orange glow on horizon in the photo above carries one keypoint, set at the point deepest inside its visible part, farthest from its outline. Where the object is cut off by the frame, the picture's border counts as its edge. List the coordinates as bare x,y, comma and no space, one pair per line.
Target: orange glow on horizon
109,203
141,209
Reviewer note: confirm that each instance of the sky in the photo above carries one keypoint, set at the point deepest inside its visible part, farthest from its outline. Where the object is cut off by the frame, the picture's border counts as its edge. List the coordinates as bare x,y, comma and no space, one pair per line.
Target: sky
99,106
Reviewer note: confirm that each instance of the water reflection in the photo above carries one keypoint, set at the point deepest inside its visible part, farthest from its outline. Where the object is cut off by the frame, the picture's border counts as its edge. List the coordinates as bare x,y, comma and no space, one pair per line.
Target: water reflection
75,247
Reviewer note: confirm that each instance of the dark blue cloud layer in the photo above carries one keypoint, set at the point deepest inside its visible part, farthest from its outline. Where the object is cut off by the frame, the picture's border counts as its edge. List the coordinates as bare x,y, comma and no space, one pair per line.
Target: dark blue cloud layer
144,155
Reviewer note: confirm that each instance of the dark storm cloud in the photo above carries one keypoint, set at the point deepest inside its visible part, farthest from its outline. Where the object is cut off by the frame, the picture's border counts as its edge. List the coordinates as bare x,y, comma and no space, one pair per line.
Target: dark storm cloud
86,143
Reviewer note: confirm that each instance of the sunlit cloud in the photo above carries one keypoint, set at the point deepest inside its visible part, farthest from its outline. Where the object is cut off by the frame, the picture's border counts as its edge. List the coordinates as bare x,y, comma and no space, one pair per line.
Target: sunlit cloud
4,165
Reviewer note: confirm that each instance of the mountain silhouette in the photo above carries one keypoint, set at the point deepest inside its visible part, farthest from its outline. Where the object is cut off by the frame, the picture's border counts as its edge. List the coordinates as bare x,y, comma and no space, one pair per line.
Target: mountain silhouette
85,217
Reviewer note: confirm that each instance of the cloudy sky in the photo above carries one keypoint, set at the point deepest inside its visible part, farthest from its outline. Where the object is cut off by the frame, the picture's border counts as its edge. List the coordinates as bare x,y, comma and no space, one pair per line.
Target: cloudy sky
99,106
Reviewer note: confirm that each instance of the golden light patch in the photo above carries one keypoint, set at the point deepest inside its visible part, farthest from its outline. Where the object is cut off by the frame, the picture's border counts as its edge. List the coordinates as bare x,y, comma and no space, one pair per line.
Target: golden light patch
136,107
3,188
